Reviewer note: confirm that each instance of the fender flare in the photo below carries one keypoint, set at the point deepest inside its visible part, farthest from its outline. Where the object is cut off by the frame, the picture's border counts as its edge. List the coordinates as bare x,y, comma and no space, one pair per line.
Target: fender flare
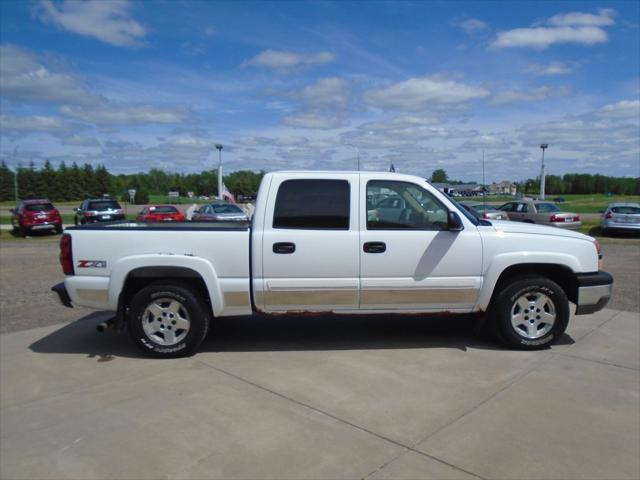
503,261
202,267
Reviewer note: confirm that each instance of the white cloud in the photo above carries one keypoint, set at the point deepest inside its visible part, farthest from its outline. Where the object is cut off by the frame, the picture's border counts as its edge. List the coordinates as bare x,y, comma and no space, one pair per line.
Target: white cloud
530,95
111,114
23,77
576,27
33,124
548,69
325,93
281,60
488,142
543,37
624,109
472,25
420,93
314,120
107,21
604,18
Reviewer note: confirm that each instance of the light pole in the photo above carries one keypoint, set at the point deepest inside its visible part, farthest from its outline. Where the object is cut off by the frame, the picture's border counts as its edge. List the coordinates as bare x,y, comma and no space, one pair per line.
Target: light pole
543,146
357,152
219,147
15,174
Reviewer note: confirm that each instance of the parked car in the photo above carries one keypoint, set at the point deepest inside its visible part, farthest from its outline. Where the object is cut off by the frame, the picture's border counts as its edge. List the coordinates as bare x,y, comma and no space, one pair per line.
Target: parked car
312,249
484,211
542,212
621,217
219,212
32,215
98,210
160,213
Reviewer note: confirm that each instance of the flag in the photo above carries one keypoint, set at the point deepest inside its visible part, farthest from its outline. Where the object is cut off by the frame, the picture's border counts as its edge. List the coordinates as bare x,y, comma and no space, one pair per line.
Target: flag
227,194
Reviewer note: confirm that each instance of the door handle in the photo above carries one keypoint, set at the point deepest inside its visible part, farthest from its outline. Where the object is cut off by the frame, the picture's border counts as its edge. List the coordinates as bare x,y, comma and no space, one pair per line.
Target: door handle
284,247
374,247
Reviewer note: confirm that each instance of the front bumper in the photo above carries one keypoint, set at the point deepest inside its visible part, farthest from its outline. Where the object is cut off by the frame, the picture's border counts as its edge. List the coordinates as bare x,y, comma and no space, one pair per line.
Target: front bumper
63,295
594,292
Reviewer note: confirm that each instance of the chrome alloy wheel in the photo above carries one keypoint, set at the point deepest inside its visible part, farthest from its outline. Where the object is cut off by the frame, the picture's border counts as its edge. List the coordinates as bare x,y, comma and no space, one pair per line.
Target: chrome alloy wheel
533,315
166,321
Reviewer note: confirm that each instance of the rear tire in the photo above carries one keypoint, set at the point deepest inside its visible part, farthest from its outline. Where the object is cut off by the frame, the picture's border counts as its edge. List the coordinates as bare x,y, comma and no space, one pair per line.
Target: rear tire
168,320
530,313
59,228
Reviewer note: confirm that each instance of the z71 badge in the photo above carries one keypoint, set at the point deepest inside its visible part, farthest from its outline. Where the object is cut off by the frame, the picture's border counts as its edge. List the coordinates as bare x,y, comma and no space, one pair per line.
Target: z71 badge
92,264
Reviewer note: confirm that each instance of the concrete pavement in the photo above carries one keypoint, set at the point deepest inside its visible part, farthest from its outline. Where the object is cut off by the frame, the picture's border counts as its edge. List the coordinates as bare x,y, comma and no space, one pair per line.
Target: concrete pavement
331,397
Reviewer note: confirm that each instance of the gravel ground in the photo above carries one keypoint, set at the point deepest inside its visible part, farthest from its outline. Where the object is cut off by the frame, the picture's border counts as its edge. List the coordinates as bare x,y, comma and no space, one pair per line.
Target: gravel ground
29,268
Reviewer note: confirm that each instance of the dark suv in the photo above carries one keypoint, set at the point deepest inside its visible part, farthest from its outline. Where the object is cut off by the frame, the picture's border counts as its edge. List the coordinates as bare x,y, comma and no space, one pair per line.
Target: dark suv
98,210
31,215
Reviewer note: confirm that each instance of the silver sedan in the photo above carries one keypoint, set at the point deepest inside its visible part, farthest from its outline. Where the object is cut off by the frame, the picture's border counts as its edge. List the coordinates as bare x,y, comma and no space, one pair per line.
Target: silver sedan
621,217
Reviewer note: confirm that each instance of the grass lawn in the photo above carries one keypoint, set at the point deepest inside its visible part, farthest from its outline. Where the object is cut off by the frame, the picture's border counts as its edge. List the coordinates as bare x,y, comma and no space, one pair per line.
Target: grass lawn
593,203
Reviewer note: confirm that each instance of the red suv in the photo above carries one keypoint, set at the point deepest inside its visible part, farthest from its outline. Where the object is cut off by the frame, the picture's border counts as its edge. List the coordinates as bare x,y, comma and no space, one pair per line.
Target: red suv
31,215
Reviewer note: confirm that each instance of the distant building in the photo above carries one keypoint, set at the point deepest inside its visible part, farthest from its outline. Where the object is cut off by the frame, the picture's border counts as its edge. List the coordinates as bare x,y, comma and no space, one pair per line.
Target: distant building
503,188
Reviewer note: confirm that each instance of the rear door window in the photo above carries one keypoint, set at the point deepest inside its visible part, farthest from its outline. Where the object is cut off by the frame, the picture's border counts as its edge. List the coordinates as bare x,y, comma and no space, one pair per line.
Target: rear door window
313,204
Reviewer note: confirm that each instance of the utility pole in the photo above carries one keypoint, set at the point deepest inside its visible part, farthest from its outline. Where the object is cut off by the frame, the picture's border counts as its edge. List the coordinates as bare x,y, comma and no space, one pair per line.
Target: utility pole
484,190
543,146
219,147
15,174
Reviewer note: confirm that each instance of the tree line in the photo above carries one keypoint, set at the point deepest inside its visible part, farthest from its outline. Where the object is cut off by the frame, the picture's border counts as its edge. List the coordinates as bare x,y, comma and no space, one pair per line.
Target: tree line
583,183
75,182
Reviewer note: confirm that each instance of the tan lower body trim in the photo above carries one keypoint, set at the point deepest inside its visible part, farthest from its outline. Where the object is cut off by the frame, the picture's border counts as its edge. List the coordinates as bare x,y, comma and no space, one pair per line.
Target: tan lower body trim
433,296
100,296
312,298
236,299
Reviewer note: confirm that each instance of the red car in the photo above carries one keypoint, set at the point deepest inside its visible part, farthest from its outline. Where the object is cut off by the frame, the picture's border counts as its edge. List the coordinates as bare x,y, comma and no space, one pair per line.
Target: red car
160,213
32,215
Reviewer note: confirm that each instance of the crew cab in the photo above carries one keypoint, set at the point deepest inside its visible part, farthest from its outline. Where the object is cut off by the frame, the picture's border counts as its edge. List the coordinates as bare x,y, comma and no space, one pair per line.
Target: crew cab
316,245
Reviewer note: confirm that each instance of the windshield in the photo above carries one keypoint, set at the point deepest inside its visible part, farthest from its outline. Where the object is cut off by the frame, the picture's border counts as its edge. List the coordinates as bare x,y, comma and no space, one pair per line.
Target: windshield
226,209
104,205
38,207
546,207
626,209
163,209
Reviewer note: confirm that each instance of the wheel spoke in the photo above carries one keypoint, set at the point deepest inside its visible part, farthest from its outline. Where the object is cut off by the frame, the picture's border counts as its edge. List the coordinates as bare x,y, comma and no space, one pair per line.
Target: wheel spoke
152,327
548,318
156,310
174,307
532,330
541,301
523,303
169,337
182,324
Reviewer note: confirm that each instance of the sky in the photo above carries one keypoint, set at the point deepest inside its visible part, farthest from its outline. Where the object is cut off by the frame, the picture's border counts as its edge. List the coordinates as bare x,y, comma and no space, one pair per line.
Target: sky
297,85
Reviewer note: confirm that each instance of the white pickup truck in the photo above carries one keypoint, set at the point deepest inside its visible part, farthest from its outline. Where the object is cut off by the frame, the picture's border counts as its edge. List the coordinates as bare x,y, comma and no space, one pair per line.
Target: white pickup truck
321,242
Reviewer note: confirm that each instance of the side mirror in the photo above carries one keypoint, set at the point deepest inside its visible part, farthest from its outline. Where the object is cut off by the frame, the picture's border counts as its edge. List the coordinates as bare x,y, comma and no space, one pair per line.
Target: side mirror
453,222
76,209
12,210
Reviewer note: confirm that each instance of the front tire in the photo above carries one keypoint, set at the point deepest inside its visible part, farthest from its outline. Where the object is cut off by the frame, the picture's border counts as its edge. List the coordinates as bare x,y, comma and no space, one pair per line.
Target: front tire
168,320
530,313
